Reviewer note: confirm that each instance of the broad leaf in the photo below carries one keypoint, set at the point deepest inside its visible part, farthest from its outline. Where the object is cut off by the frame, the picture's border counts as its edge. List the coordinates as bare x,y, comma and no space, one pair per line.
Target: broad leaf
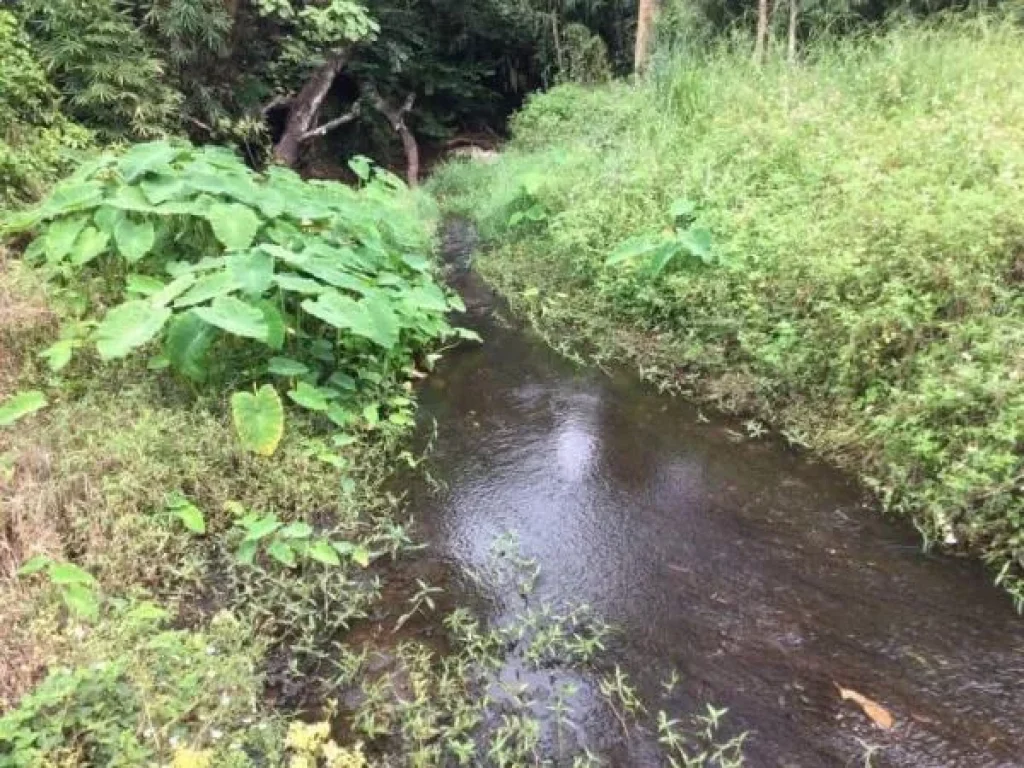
234,225
208,287
285,366
262,527
252,271
81,601
297,530
172,290
187,342
282,552
143,158
61,236
20,405
297,284
58,354
276,327
236,317
90,244
323,552
312,398
189,514
258,419
34,564
69,573
134,239
128,327
633,248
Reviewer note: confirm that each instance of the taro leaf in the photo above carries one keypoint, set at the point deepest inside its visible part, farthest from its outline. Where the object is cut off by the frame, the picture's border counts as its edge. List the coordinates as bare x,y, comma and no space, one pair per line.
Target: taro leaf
189,514
34,564
143,158
187,342
282,552
698,242
285,366
20,405
131,199
663,255
298,530
379,323
258,419
632,248
246,552
234,225
61,236
70,197
134,239
360,166
58,354
69,573
162,188
276,328
262,527
107,218
129,326
235,316
172,290
81,601
371,318
90,244
252,271
208,287
683,209
311,398
323,552
371,413
339,416
417,262
143,285
297,284
427,296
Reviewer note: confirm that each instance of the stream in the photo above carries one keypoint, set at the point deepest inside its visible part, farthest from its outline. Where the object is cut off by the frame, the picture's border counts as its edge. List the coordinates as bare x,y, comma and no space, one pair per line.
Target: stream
761,578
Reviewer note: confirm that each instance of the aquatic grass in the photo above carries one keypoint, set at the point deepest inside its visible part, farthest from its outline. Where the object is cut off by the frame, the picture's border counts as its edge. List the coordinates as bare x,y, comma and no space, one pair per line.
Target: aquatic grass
865,208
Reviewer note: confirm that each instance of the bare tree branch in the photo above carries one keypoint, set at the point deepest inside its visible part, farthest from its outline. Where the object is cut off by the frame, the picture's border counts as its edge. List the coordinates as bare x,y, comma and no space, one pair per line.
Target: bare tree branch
330,125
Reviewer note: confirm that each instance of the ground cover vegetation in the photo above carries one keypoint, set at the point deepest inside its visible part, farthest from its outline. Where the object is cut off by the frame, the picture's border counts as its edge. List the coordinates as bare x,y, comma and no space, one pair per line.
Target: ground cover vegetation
831,244
207,363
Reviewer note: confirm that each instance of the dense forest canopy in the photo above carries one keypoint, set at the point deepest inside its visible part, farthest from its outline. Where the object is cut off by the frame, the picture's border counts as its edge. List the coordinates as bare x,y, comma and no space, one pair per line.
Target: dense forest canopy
313,81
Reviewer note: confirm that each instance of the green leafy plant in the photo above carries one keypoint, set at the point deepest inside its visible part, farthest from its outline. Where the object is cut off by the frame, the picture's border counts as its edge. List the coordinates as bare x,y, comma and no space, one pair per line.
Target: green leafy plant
683,240
189,514
77,587
19,405
189,251
291,543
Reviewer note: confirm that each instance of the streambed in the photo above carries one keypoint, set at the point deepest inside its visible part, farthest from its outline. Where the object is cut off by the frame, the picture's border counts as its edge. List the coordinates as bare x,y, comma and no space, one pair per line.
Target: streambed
761,578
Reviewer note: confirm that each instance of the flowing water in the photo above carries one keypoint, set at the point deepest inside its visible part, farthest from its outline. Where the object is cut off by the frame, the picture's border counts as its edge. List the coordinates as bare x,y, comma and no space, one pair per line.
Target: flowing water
762,578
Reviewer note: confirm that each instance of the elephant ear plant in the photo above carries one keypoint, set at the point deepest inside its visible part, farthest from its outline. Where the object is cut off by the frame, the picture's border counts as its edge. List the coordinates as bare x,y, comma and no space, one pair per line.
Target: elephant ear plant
325,290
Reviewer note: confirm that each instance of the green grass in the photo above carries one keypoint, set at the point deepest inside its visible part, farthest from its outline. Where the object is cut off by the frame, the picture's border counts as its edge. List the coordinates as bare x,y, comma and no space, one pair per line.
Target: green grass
867,292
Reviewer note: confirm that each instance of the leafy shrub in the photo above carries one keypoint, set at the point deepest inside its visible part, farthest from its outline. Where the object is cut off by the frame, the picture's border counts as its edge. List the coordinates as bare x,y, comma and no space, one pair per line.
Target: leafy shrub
36,138
319,285
137,693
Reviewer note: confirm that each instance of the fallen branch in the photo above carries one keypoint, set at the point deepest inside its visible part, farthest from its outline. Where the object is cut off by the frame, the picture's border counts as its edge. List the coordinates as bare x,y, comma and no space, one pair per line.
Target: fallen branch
330,125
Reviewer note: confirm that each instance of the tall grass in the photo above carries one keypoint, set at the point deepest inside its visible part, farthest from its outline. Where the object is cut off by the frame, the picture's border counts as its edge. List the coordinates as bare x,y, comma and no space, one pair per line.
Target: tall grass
867,208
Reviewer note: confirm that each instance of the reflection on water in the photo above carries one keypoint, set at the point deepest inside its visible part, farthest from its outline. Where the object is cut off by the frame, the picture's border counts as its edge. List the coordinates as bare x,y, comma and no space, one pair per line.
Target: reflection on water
758,576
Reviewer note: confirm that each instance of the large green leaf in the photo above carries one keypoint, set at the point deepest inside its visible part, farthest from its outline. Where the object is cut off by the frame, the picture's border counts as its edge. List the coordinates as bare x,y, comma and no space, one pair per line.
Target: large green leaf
258,419
134,239
276,327
61,235
20,405
187,342
372,318
208,287
252,271
234,225
286,366
58,354
309,397
296,284
90,244
236,317
168,293
129,326
143,158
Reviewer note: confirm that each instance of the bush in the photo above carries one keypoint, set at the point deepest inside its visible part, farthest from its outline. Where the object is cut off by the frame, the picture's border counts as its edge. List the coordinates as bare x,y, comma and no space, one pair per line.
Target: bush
315,284
36,140
866,212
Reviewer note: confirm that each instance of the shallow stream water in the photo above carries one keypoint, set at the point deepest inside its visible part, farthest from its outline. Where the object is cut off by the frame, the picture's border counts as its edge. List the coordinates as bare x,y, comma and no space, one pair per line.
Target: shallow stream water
760,577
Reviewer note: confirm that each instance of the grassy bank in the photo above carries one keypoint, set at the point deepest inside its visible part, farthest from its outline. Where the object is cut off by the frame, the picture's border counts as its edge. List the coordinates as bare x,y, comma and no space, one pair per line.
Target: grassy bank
863,289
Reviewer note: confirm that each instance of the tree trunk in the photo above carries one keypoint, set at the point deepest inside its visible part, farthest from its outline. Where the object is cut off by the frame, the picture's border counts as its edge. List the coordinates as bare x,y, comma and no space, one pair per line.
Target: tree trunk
644,34
794,11
305,108
396,116
762,31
